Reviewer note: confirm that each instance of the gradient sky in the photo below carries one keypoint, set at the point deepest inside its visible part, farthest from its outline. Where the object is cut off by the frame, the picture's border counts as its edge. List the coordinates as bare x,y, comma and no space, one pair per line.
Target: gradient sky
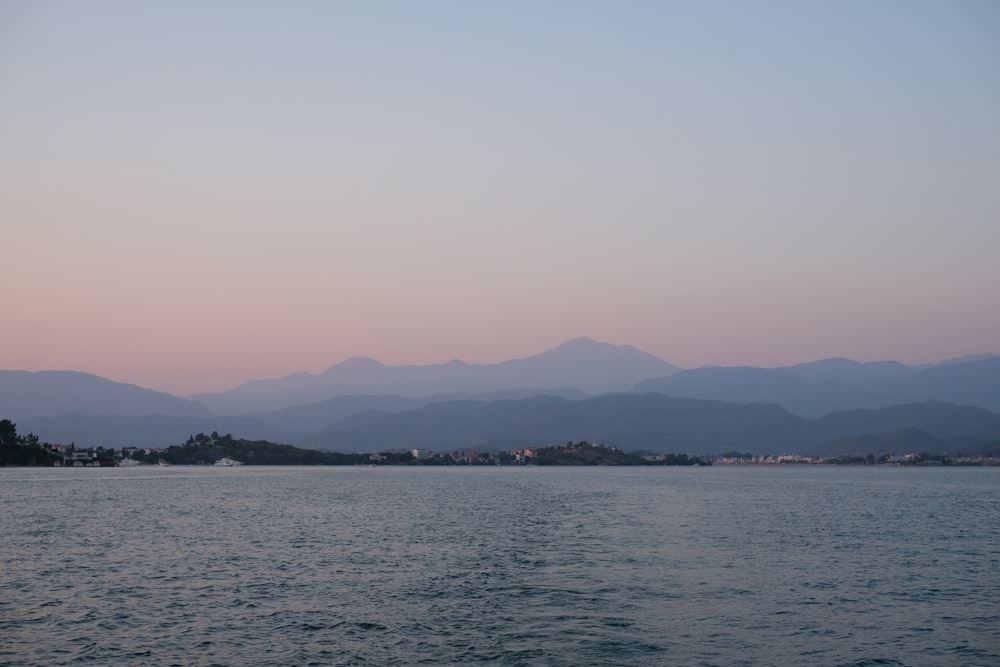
193,194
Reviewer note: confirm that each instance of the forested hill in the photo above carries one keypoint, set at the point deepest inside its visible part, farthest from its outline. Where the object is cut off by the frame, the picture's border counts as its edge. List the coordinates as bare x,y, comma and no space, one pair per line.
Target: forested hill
206,450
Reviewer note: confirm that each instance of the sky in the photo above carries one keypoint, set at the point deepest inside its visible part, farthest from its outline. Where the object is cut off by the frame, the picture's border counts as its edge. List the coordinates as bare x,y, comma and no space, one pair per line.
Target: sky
194,195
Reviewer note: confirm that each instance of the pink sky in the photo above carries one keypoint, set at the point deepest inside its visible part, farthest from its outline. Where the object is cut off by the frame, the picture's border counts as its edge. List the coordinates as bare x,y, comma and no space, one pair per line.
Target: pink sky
195,197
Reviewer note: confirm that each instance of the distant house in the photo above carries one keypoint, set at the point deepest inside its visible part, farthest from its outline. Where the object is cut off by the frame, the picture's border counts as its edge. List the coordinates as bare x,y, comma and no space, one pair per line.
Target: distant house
520,455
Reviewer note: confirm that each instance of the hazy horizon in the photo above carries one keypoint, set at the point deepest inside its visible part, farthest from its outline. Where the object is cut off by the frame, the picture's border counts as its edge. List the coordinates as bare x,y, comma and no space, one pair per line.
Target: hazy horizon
323,368
195,196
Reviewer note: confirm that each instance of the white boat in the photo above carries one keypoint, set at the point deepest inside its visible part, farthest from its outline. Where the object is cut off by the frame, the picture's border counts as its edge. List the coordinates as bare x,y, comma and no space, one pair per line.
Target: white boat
227,462
128,463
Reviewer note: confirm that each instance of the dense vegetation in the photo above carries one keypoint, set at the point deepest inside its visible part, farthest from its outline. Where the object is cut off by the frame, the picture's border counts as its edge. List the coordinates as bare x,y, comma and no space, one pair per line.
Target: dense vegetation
204,449
23,450
590,454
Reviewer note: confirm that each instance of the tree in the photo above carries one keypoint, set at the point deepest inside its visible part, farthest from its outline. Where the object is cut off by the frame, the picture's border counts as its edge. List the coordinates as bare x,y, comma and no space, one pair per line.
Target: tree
8,434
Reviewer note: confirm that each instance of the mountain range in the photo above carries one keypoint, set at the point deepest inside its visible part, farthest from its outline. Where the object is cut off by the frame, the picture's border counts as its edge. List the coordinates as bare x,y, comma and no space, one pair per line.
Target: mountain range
661,424
580,364
26,394
817,388
579,390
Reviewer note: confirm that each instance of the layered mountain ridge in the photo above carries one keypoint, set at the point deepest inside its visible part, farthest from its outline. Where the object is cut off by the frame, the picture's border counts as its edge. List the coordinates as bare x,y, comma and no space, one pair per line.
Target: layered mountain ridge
582,389
581,364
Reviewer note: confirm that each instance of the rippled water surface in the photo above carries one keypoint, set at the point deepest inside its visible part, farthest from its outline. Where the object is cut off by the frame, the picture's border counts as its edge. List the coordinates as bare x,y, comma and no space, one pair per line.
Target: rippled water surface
504,566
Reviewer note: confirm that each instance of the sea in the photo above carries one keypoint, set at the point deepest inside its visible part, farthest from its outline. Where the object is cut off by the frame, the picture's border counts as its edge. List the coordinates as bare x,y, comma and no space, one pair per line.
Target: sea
723,565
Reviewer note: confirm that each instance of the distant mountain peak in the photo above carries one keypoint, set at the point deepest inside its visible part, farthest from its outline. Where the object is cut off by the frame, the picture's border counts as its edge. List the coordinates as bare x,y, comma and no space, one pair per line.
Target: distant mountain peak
587,345
582,340
581,364
356,363
969,358
584,343
25,394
